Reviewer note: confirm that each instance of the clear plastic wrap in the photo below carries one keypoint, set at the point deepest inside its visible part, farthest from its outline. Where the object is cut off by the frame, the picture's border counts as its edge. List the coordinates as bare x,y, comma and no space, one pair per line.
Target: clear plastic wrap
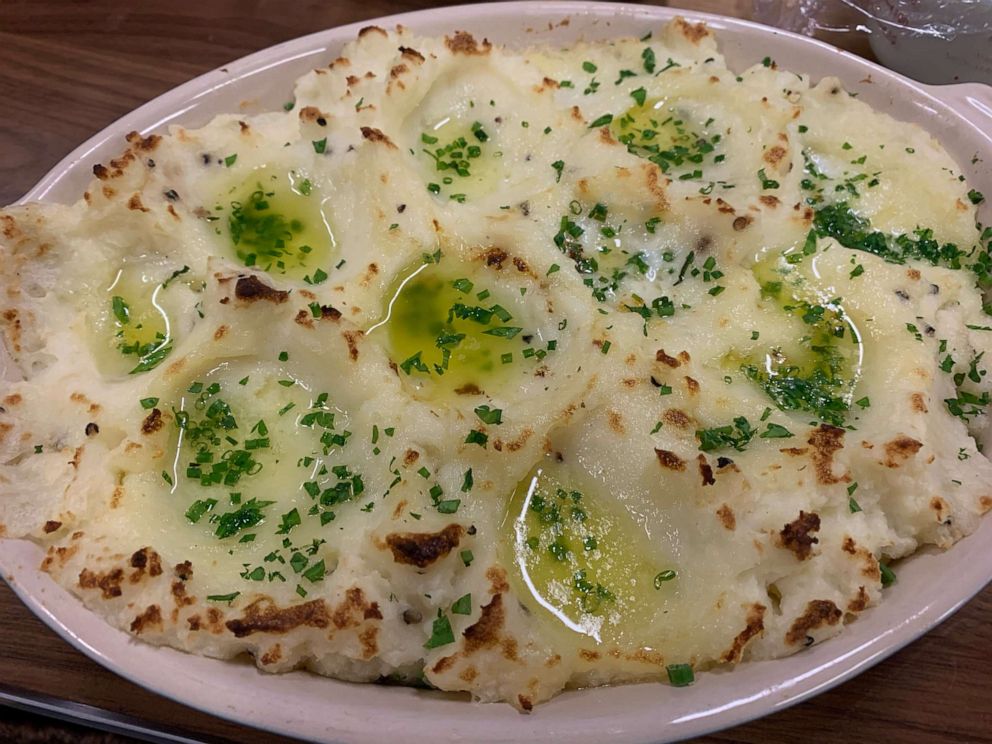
934,41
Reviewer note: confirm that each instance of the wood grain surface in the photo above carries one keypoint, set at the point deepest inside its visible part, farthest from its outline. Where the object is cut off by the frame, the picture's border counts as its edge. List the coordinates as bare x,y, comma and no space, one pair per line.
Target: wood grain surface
68,69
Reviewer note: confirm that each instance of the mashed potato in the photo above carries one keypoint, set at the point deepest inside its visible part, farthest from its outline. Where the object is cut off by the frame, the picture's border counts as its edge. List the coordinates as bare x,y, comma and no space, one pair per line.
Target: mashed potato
502,371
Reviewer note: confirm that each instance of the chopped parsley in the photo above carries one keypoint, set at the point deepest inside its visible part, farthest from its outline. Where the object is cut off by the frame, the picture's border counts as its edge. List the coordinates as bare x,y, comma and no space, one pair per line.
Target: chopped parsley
601,121
441,633
774,431
736,435
648,59
477,437
248,515
316,572
489,415
462,605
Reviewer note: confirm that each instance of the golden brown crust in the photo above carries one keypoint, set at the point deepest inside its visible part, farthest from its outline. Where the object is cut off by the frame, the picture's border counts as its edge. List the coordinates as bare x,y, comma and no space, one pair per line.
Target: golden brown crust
860,601
774,154
485,632
727,517
263,616
705,471
108,583
463,42
670,460
411,54
421,549
153,422
375,135
819,612
251,289
693,32
826,440
797,535
366,30
918,403
755,626
351,339
151,617
899,450
670,361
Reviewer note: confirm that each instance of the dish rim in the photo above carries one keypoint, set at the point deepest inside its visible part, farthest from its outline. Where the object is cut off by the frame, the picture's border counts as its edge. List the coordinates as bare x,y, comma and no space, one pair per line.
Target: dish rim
954,98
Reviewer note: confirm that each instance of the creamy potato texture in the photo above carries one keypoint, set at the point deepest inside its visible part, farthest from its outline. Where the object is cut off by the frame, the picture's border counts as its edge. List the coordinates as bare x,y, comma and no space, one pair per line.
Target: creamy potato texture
502,371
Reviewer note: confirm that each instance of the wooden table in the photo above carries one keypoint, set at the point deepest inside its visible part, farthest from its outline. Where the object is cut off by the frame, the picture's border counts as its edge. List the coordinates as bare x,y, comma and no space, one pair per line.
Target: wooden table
67,69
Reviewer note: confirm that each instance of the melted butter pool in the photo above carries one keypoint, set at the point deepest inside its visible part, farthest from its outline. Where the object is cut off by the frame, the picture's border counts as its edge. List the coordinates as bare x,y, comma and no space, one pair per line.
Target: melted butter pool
655,123
817,368
459,159
582,564
660,131
276,221
450,332
134,326
256,479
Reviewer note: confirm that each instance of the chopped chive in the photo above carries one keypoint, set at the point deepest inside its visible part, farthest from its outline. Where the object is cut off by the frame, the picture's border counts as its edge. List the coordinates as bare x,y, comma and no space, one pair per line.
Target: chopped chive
680,675
662,577
223,597
888,575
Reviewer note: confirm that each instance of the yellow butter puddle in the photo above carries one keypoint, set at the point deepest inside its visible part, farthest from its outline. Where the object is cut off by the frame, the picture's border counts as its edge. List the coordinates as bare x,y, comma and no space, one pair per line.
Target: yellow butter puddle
459,159
449,333
581,563
818,368
277,222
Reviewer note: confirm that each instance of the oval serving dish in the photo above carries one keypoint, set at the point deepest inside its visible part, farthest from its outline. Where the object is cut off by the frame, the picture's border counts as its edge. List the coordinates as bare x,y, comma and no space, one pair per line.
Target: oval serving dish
931,585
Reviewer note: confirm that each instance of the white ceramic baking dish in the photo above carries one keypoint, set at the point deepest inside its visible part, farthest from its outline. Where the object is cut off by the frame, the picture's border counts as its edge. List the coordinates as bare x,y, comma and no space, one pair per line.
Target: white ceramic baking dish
931,585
